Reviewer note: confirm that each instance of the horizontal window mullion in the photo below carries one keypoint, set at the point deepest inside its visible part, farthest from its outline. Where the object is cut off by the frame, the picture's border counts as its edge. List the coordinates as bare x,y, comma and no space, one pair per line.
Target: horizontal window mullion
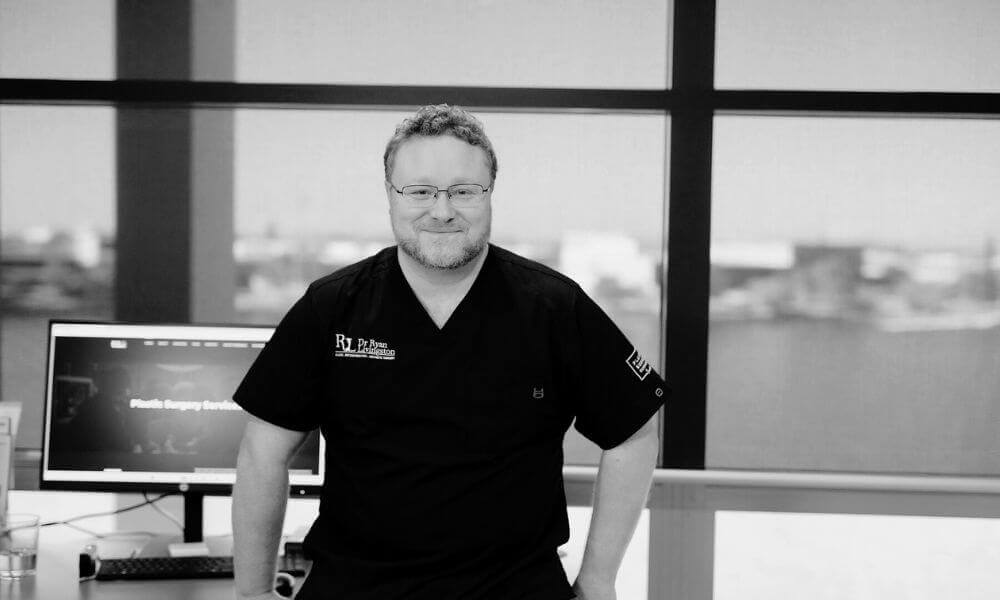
937,103
304,95
298,95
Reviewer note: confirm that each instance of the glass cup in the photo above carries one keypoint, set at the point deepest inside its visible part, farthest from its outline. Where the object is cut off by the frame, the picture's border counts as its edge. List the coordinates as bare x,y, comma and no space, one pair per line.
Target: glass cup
18,545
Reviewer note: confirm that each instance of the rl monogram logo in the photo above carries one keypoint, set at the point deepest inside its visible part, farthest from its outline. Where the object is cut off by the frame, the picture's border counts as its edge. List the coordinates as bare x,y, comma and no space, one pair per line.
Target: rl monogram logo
343,343
537,393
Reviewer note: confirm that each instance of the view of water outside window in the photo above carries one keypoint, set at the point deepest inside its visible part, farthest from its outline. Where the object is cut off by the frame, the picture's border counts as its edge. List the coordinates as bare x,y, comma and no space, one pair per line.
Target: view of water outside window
580,193
56,236
855,302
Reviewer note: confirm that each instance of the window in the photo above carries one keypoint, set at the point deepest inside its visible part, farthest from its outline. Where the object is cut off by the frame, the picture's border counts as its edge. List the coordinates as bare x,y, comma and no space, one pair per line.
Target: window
292,172
57,39
831,235
564,43
855,295
920,45
57,181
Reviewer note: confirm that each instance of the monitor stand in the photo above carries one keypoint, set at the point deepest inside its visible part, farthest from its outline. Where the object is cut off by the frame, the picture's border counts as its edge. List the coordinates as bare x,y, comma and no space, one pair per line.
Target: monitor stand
193,516
193,523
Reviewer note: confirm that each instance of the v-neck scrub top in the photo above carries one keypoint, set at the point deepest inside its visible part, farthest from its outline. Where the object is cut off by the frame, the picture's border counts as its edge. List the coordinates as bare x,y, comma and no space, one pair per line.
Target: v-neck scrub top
444,446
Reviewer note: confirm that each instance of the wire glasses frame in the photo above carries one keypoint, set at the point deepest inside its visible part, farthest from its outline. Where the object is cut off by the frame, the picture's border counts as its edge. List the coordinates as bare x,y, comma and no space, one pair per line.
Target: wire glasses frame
460,194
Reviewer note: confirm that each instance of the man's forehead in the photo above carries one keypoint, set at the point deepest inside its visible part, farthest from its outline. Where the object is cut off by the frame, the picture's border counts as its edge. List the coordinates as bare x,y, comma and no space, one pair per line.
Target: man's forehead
445,140
427,150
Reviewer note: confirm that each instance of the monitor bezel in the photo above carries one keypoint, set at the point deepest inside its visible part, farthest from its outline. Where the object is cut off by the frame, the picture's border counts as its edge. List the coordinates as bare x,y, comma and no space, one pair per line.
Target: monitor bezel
180,484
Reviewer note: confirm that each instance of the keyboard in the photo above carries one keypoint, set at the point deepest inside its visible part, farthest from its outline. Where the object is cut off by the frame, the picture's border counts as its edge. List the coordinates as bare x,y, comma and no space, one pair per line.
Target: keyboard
185,567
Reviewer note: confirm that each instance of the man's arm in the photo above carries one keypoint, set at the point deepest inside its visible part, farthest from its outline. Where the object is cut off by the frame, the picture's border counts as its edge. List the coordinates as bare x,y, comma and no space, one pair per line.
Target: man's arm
259,498
620,494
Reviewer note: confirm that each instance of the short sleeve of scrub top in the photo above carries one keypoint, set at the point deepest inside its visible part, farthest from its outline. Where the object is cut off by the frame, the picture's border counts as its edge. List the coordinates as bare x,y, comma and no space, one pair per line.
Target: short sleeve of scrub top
284,384
616,388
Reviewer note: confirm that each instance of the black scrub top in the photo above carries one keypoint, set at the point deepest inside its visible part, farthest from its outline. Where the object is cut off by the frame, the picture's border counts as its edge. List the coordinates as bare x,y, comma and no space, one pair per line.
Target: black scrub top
444,446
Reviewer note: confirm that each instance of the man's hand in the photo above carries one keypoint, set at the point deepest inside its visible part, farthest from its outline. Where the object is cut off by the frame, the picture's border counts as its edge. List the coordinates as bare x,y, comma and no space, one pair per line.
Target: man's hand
594,590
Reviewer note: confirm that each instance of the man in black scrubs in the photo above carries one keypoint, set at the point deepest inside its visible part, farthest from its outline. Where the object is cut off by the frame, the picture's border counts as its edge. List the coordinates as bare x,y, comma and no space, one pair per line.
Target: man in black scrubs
444,373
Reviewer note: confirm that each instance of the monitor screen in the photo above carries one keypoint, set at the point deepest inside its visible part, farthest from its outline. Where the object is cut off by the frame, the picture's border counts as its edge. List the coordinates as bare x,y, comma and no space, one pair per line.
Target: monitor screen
136,406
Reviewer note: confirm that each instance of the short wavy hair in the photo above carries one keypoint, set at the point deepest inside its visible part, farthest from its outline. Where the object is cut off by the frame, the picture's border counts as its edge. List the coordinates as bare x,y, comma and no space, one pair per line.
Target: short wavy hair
441,119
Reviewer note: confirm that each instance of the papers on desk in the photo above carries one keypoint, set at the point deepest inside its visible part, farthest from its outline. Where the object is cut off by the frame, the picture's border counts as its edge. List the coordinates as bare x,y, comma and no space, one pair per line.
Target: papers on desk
10,416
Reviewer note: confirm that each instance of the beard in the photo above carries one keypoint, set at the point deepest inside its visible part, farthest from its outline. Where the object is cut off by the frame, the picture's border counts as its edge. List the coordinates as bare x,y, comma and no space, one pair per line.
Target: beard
444,254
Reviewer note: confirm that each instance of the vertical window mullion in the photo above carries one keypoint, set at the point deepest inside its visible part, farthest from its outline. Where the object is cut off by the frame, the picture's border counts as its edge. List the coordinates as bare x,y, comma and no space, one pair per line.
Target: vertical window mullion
690,168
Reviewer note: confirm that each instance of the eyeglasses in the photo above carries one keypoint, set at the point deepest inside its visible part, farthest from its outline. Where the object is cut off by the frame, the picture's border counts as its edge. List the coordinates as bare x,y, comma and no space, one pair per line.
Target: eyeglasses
460,194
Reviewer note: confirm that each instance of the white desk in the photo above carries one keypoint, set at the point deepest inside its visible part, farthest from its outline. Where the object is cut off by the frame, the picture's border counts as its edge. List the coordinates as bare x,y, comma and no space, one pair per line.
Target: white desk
57,578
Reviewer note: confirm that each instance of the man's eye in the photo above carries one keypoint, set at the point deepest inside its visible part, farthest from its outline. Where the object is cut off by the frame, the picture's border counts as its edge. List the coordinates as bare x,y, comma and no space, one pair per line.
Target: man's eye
461,193
420,193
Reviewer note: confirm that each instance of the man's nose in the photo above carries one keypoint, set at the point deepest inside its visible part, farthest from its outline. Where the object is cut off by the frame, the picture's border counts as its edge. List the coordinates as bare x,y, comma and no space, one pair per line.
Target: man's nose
442,208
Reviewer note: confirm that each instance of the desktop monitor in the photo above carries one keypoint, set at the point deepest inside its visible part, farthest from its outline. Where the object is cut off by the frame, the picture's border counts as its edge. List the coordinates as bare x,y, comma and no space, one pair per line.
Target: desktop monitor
148,407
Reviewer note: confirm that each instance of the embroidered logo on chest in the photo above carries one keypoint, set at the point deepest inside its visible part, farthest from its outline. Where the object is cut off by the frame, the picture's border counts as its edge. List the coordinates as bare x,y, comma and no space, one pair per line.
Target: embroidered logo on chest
639,365
349,347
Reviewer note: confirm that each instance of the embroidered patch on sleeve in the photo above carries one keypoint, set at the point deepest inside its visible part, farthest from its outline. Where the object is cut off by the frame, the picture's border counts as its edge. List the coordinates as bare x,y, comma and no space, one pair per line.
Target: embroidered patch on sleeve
639,365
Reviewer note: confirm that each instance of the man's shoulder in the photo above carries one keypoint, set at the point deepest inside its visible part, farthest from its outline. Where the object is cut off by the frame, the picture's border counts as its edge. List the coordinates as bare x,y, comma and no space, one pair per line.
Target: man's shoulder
351,277
535,277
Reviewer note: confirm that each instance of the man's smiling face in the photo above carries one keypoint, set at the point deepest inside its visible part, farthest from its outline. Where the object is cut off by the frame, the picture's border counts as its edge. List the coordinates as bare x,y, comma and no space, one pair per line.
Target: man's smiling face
440,236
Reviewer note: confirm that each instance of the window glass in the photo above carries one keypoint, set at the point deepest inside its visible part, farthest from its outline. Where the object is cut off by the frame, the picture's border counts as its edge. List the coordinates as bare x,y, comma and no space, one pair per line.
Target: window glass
57,206
855,295
562,43
582,193
778,555
924,45
57,39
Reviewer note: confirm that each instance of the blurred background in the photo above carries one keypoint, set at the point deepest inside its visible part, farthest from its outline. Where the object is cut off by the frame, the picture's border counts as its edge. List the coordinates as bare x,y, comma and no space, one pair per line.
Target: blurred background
851,281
